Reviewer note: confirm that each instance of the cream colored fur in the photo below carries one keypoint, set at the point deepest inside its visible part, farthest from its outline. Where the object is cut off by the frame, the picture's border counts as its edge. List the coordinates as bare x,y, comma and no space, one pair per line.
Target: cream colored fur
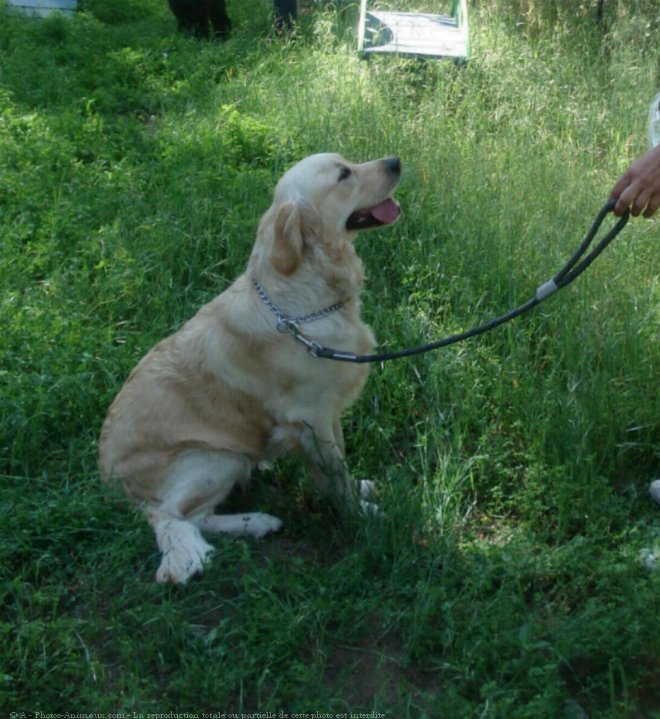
228,391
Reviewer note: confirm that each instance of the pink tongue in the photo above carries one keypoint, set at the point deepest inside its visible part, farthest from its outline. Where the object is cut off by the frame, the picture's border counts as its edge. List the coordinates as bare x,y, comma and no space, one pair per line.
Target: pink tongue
386,212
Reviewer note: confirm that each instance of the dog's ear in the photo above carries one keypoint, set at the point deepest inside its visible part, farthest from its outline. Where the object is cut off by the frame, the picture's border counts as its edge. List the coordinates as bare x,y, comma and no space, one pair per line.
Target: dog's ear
286,252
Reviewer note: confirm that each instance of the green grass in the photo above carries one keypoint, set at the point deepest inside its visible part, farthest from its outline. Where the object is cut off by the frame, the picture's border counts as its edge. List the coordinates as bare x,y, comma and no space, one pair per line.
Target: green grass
504,581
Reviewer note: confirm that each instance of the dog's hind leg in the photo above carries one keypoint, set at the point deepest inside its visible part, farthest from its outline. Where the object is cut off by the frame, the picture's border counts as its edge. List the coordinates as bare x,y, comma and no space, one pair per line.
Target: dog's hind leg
197,481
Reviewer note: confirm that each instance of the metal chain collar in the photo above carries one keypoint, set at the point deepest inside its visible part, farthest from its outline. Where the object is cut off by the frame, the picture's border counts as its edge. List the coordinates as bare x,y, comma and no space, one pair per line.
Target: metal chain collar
288,324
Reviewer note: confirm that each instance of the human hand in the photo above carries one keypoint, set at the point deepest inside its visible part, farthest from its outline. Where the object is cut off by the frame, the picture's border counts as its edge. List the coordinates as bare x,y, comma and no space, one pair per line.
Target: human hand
638,189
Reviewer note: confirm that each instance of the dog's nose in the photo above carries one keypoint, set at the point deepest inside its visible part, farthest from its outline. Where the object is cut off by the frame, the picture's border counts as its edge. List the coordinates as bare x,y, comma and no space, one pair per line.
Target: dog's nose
393,165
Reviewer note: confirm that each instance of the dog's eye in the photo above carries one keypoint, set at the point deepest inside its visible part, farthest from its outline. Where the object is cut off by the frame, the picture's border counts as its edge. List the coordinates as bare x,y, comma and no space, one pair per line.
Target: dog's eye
344,173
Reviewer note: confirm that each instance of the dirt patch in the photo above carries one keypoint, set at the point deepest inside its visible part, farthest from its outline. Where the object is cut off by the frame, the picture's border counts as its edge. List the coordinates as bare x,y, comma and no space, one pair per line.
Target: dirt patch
377,669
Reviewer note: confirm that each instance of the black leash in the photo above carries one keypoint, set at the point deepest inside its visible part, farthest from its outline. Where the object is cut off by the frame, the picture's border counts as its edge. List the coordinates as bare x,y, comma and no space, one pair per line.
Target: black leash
575,266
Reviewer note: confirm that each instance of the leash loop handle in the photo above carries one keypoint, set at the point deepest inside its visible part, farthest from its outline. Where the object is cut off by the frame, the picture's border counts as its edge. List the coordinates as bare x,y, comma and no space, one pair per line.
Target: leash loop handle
572,269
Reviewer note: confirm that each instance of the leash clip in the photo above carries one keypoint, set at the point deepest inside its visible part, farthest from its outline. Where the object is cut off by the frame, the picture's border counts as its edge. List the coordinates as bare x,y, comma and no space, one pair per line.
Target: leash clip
287,326
312,347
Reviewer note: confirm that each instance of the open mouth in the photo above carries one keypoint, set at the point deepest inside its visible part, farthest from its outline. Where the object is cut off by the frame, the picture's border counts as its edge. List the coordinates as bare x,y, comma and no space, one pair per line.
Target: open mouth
384,213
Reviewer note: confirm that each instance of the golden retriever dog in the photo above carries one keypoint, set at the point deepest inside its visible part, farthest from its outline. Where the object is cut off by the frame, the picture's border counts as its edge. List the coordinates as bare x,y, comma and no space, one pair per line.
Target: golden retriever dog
232,388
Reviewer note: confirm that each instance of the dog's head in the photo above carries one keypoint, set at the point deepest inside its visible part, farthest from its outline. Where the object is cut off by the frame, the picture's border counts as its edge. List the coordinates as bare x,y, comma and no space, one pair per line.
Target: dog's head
321,203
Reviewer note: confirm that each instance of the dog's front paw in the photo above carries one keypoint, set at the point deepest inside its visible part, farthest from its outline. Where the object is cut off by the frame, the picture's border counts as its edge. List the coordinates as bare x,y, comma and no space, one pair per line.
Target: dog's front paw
367,493
370,509
367,488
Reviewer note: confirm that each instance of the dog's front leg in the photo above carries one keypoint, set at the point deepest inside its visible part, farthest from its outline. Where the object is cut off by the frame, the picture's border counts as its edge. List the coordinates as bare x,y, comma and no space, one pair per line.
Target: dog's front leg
324,447
366,487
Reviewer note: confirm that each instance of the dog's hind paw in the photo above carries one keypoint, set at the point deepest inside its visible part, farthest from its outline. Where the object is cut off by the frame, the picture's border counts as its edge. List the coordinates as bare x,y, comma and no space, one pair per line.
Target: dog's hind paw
248,524
261,524
181,563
